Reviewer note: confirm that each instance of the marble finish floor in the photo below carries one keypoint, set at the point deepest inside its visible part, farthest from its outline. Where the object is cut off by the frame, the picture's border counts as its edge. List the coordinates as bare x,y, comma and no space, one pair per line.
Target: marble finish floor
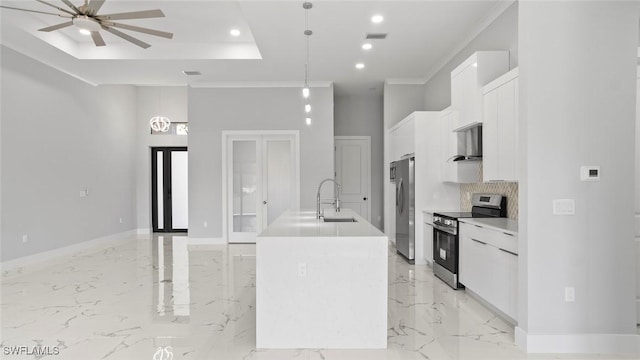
156,297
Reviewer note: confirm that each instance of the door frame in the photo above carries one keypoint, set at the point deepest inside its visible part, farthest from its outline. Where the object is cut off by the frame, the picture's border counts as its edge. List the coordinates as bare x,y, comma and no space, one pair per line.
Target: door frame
166,171
368,162
229,135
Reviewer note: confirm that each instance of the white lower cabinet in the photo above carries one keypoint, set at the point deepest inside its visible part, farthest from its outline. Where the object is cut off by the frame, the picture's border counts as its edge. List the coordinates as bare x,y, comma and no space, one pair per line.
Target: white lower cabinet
427,235
489,266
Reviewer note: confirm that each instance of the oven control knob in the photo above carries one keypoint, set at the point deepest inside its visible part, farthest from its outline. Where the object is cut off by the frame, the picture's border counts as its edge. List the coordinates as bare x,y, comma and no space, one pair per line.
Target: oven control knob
447,222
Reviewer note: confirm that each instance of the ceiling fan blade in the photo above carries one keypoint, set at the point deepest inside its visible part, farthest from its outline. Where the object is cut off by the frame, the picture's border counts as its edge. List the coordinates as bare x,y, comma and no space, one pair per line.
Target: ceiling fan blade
73,7
97,38
145,14
129,38
35,11
56,7
56,27
94,6
163,34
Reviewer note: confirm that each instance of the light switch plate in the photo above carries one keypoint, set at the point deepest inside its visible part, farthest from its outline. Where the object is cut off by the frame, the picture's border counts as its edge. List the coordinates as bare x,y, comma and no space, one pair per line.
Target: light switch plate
564,207
590,173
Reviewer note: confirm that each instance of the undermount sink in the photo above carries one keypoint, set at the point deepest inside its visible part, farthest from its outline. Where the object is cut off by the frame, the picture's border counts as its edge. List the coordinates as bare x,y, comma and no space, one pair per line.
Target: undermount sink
329,219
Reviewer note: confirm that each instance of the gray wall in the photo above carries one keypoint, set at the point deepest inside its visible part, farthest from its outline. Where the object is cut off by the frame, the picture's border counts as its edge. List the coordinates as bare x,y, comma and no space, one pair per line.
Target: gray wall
153,100
362,116
401,100
577,107
212,110
502,34
60,135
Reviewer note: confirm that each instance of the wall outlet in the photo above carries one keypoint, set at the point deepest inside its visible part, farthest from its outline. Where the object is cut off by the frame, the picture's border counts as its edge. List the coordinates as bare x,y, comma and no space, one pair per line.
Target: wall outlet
25,238
302,269
204,224
564,207
121,221
569,294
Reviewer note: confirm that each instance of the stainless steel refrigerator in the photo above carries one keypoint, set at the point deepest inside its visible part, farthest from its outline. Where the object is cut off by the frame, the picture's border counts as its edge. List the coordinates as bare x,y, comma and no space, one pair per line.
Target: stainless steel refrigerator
404,176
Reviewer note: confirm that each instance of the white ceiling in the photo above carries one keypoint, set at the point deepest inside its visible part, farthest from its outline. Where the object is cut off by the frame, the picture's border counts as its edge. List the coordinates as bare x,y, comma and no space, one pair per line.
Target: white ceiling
423,36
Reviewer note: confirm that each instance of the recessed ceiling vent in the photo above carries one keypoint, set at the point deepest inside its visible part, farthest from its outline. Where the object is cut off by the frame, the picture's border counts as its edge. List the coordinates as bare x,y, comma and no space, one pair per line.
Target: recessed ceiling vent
192,72
377,36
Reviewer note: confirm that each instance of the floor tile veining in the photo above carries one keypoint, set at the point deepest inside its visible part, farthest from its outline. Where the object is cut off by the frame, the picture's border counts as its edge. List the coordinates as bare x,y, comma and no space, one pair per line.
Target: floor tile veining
156,297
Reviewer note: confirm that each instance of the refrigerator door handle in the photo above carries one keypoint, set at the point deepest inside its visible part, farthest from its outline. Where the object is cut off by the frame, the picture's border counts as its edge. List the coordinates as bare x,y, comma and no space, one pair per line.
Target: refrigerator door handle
401,197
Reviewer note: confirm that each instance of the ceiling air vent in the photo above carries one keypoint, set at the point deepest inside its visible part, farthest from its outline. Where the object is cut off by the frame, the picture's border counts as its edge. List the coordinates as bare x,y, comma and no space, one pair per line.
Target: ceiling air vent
191,72
378,36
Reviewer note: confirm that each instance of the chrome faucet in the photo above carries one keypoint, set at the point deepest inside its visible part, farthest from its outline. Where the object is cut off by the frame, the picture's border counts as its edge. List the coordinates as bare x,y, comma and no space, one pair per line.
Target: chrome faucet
335,201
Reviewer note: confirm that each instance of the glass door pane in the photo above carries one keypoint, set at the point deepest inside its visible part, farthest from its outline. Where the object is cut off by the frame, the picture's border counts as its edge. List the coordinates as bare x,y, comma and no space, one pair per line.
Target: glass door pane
160,189
245,186
179,190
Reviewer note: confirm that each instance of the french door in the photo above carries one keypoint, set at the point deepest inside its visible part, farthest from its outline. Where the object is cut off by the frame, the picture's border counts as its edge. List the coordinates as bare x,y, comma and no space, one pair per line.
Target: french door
262,182
169,189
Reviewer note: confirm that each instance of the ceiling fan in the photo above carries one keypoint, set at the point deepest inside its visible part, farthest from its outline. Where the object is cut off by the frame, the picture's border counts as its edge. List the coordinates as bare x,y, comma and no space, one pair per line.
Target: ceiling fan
86,18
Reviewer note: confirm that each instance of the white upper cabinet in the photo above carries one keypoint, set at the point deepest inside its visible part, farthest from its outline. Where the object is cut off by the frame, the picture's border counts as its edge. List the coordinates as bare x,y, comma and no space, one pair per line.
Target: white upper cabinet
403,138
467,81
500,128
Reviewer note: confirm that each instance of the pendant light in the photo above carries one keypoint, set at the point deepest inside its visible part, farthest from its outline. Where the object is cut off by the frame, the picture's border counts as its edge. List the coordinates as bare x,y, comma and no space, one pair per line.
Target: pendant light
305,90
160,123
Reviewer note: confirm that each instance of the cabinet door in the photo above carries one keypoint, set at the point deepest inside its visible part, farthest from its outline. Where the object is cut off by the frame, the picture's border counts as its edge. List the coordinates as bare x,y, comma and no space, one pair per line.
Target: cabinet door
490,137
475,270
427,231
445,133
512,265
507,135
464,88
500,279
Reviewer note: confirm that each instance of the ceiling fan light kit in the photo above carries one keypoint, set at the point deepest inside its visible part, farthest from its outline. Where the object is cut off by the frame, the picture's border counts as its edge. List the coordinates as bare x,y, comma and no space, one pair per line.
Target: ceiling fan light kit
86,18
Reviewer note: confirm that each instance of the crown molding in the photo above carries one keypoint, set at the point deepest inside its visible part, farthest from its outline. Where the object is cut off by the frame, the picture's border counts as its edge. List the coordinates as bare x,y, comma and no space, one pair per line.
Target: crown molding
260,84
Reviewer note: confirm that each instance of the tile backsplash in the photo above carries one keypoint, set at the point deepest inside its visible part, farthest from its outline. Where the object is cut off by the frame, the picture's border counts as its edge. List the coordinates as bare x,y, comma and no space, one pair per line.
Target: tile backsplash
508,189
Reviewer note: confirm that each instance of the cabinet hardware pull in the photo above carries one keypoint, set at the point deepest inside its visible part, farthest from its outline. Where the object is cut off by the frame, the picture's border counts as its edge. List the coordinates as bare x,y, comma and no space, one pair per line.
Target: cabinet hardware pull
508,252
507,234
481,242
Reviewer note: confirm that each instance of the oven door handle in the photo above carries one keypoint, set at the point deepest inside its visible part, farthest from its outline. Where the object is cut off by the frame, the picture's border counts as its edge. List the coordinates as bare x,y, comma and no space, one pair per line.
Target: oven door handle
444,229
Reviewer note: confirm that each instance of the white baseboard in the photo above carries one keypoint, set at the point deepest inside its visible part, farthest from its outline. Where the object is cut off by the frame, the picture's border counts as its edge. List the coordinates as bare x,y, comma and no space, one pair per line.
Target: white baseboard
627,344
143,231
30,263
206,241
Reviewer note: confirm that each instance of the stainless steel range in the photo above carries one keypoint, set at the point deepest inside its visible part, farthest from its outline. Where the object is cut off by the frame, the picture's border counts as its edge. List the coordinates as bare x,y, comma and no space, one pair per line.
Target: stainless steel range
445,234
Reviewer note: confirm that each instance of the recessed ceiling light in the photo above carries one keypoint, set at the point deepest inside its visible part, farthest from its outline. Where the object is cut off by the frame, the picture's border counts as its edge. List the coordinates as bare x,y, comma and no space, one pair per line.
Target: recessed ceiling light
367,46
234,32
377,19
85,32
359,66
308,121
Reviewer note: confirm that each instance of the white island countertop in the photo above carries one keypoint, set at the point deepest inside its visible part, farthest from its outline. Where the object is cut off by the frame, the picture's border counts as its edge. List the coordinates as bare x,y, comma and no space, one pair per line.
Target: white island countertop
506,225
304,224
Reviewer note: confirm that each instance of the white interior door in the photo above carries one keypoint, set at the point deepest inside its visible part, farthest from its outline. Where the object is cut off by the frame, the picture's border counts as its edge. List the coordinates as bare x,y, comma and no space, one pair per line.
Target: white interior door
262,183
353,172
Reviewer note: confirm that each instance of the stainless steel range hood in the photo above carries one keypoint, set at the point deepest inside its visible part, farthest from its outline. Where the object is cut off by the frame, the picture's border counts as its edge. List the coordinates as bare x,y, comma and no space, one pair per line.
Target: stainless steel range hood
469,144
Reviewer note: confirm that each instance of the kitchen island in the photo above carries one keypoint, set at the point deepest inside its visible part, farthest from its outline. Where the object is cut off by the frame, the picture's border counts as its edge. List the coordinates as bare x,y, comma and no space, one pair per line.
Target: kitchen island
321,284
